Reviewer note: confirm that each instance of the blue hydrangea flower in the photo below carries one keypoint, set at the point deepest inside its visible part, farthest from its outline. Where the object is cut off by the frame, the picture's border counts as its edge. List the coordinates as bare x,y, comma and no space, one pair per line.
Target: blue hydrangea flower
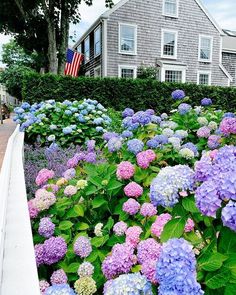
192,147
184,108
206,102
229,115
67,103
114,144
135,284
142,118
99,129
67,130
178,94
229,215
153,144
61,289
176,269
156,119
161,139
127,134
135,146
25,105
165,188
84,112
98,121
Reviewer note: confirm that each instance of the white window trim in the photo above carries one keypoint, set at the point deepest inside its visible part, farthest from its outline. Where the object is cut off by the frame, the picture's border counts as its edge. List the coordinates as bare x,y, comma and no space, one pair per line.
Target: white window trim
199,49
135,39
120,67
98,28
165,68
163,31
80,45
86,60
204,73
98,67
171,15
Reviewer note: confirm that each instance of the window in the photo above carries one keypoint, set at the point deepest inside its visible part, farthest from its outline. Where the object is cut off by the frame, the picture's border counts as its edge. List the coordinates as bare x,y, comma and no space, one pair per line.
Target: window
170,8
204,78
79,48
169,44
97,71
127,39
87,49
97,41
127,72
205,48
173,76
87,74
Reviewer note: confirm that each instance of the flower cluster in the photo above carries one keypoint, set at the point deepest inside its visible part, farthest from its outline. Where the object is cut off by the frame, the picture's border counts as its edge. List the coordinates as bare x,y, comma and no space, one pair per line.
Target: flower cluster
120,228
43,200
58,277
43,176
82,247
85,286
165,188
128,284
51,251
59,289
133,189
145,158
125,170
86,269
46,227
176,269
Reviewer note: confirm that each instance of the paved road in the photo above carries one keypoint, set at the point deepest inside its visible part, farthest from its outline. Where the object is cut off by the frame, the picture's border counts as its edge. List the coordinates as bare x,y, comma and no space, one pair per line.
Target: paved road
6,129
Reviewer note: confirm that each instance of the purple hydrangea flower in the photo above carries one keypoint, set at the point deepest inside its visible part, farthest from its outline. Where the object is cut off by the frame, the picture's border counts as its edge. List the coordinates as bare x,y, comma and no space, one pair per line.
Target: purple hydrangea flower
114,144
178,94
213,142
91,157
127,113
120,228
58,277
184,108
148,250
55,249
206,102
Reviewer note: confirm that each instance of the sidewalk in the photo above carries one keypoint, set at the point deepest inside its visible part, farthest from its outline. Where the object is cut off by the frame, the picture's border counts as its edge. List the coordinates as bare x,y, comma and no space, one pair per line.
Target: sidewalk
6,129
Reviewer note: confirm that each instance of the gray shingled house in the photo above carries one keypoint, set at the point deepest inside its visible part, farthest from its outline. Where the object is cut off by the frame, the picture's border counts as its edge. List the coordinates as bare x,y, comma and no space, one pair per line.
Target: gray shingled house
229,54
179,37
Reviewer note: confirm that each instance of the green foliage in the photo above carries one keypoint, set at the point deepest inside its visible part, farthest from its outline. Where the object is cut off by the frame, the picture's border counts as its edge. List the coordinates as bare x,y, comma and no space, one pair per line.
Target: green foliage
147,72
138,94
13,77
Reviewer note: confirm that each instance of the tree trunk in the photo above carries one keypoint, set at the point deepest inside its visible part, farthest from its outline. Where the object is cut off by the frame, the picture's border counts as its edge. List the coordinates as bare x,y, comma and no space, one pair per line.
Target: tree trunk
52,49
64,35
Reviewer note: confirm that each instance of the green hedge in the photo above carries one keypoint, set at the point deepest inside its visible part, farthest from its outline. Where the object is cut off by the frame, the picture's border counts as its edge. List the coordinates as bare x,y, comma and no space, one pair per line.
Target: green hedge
138,94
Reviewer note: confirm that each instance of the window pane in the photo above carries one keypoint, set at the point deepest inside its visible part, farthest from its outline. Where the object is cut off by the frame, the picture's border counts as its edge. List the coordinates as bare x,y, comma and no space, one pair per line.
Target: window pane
169,44
127,73
127,38
173,76
87,50
79,49
204,79
205,50
97,72
97,41
170,7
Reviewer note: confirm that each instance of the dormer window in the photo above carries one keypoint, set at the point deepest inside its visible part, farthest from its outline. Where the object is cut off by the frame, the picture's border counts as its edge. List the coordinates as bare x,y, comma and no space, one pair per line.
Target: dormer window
170,8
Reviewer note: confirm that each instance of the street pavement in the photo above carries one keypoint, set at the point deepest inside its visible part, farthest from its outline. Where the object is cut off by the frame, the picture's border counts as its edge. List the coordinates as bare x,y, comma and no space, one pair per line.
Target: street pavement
6,130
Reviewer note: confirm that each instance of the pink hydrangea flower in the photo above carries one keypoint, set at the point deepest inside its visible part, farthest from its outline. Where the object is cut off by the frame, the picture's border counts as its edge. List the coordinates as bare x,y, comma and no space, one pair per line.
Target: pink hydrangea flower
149,270
189,225
131,207
148,250
125,170
158,225
133,190
213,154
148,210
228,126
43,176
43,199
133,235
120,228
70,190
33,211
145,158
43,285
204,132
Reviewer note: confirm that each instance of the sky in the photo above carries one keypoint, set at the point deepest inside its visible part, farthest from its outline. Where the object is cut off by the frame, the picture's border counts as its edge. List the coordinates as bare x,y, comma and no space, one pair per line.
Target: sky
224,12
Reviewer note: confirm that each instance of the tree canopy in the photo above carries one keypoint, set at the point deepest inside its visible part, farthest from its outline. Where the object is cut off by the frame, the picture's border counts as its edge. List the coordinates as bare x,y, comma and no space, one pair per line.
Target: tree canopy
42,26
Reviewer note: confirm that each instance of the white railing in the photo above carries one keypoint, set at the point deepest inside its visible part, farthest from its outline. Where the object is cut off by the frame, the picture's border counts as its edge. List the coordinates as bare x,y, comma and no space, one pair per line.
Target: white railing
18,271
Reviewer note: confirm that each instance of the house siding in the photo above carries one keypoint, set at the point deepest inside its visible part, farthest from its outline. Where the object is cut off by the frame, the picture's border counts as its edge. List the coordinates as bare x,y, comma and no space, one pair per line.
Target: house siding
93,61
229,62
147,15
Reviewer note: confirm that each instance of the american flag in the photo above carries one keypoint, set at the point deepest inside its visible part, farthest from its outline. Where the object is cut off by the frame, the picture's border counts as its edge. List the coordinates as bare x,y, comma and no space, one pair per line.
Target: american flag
73,62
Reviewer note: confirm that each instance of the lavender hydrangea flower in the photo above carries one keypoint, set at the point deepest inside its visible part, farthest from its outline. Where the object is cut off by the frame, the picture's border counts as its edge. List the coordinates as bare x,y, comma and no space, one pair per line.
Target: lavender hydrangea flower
148,250
127,113
82,247
46,227
58,277
229,215
213,141
114,144
120,228
184,108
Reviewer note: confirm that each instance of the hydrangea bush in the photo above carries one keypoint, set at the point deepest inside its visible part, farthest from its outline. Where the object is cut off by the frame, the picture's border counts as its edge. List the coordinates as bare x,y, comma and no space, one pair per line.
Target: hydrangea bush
156,216
63,123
